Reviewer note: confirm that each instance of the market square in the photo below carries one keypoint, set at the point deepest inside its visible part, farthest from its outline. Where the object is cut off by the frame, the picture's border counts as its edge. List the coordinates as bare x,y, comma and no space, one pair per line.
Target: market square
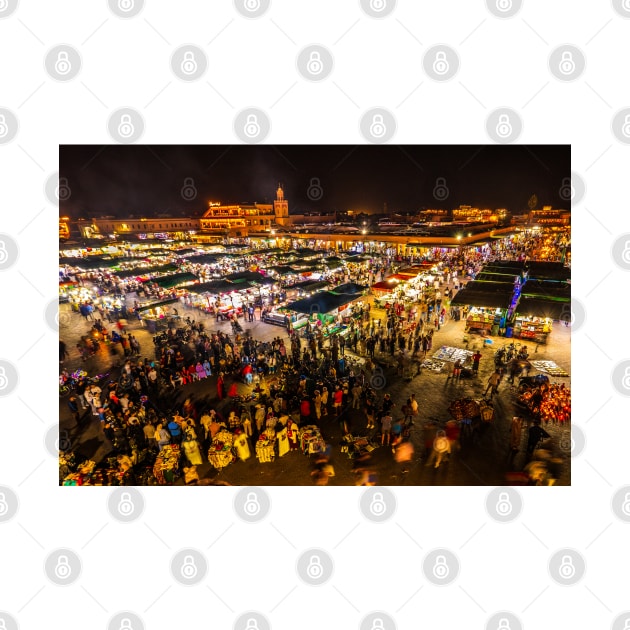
254,344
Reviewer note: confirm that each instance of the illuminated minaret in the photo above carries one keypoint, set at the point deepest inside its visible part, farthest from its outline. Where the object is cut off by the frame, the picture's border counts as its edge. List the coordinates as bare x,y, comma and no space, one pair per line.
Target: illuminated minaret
281,207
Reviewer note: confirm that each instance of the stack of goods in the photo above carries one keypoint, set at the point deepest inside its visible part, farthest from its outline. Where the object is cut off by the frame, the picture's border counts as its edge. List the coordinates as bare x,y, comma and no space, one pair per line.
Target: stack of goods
265,446
549,367
220,453
166,467
311,440
448,353
433,365
464,408
83,475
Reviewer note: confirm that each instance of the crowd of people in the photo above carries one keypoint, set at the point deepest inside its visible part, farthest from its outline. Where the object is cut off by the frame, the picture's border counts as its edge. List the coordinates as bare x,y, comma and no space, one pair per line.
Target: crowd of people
303,379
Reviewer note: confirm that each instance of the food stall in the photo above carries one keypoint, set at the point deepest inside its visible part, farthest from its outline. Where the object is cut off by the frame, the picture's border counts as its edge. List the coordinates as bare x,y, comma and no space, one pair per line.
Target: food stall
489,306
166,467
220,453
154,315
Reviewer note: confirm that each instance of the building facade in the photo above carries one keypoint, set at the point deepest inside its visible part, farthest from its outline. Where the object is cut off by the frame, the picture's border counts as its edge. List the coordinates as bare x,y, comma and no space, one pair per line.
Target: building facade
240,219
141,229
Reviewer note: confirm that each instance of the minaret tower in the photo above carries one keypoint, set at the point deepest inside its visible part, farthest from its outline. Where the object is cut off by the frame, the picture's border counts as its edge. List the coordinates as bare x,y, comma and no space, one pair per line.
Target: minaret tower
281,207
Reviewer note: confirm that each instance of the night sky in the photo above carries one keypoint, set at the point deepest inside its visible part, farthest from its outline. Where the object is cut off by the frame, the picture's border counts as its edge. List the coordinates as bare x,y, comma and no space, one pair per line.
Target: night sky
143,180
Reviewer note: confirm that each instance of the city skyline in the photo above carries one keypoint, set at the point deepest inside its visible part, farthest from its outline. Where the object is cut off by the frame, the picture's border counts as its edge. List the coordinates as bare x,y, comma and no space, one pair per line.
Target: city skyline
149,180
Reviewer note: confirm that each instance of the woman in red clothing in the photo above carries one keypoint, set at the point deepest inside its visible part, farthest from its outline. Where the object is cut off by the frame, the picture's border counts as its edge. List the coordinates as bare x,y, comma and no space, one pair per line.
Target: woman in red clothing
220,387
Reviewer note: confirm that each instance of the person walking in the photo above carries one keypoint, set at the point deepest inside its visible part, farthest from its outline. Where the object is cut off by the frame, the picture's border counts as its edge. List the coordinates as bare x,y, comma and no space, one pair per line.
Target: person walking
493,384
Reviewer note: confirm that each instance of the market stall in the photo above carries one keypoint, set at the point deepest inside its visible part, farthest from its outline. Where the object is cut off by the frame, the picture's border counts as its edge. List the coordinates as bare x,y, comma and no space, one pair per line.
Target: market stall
311,440
154,315
266,447
166,467
489,305
220,453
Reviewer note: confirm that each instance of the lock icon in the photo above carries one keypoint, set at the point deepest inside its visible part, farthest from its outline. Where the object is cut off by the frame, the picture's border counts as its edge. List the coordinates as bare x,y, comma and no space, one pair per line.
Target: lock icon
4,5
63,65
440,568
4,381
125,505
189,64
378,507
252,505
315,569
504,624
378,5
4,256
504,127
626,625
252,5
504,505
63,569
125,5
252,128
62,192
625,506
567,568
189,568
377,624
378,128
504,5
315,191
3,625
252,624
567,64
440,63
625,130
626,6
440,191
626,378
4,506
188,190
125,624
4,129
566,190
315,65
125,127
